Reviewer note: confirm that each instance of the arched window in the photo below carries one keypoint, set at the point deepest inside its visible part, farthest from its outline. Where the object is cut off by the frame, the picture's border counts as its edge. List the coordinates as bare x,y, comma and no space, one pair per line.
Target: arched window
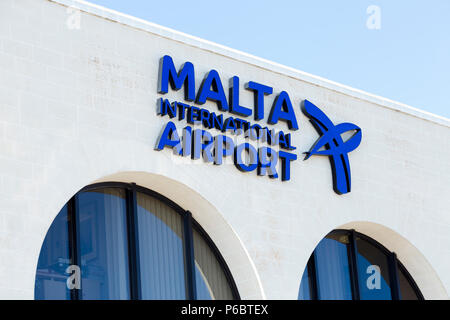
347,265
122,241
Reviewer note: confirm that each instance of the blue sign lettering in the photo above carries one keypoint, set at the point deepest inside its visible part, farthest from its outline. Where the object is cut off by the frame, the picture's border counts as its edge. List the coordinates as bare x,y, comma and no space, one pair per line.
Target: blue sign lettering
282,109
260,91
200,143
168,74
334,146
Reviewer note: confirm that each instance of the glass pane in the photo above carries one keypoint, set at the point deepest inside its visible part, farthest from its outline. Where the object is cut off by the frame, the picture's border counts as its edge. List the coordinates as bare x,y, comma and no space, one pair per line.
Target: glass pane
211,282
373,272
53,261
103,244
407,291
304,293
332,268
160,250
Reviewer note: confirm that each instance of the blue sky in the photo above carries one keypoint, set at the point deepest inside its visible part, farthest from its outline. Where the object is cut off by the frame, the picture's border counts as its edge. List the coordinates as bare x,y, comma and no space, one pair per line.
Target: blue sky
407,59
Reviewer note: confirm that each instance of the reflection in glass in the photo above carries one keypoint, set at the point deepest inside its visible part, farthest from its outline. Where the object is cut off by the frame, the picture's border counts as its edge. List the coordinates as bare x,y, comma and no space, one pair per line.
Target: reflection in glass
53,260
373,272
95,227
160,230
203,292
332,268
211,282
103,244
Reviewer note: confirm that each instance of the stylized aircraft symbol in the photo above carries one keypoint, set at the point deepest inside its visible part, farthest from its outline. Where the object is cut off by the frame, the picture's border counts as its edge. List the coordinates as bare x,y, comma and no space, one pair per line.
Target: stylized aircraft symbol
332,145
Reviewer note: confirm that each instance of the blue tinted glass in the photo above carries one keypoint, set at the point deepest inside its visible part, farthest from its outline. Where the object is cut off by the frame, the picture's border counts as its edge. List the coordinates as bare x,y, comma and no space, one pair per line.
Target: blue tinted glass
210,278
103,244
373,272
304,293
332,268
203,291
160,250
53,261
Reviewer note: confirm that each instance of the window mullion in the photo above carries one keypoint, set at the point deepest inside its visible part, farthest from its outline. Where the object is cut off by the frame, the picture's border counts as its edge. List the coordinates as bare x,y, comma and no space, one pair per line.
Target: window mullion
395,287
74,244
353,263
189,256
133,243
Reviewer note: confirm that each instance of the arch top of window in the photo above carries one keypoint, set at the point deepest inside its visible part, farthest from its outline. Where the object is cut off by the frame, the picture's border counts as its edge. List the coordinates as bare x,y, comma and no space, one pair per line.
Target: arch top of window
127,201
310,287
350,232
137,188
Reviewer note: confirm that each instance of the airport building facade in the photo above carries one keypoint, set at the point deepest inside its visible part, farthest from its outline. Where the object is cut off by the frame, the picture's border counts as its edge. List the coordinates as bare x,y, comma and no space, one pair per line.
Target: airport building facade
138,162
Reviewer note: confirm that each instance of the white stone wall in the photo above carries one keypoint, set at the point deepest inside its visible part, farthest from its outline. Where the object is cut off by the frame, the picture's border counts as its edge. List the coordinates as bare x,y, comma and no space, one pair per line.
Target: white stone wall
79,106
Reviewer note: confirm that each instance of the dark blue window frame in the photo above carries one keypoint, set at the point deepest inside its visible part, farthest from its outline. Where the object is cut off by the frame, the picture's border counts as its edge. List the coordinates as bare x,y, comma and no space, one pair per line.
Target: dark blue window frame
394,266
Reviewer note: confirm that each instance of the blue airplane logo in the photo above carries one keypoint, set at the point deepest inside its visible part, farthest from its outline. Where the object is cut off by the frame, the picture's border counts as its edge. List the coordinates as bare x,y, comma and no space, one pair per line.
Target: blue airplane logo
332,145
